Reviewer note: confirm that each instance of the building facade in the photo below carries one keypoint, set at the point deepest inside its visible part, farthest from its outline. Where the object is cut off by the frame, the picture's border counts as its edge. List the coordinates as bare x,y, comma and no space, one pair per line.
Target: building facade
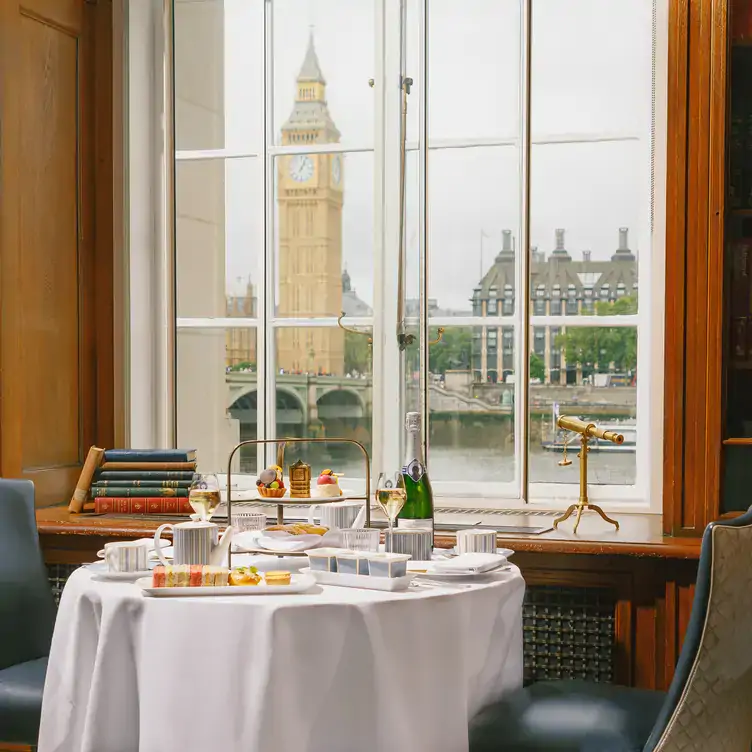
240,342
310,201
560,286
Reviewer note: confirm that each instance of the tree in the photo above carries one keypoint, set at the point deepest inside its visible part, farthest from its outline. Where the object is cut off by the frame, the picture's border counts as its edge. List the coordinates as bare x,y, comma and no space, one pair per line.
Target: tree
244,366
601,346
357,353
537,367
453,352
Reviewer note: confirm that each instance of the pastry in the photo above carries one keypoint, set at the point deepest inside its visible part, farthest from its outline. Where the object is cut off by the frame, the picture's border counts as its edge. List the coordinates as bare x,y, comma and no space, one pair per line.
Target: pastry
300,480
277,578
300,528
245,576
189,575
327,484
270,483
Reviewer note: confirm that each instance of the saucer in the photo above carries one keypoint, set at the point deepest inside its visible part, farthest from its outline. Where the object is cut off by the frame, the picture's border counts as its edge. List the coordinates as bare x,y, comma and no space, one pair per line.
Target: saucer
100,571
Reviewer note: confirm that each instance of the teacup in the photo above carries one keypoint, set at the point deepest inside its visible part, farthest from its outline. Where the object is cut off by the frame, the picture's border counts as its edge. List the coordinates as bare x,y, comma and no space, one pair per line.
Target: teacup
338,515
126,556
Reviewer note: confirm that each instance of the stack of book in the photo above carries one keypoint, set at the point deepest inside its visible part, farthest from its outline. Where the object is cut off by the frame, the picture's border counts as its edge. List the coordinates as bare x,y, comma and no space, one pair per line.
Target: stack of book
144,481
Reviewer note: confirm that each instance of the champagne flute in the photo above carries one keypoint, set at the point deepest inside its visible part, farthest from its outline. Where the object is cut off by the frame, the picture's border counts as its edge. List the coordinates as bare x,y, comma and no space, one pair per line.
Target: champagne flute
390,496
204,496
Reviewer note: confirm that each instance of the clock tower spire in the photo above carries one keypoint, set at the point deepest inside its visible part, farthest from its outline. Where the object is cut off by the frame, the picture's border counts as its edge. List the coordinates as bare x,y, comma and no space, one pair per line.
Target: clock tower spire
310,200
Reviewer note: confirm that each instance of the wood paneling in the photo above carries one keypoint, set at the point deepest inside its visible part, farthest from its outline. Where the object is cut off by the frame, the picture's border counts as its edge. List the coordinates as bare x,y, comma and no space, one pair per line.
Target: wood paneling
55,272
694,264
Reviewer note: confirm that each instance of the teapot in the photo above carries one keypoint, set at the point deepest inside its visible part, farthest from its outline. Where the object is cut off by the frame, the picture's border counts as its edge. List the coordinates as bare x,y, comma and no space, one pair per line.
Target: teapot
195,543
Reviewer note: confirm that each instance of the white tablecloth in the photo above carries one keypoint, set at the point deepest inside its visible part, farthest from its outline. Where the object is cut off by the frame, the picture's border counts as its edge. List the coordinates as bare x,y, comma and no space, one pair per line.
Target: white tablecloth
333,670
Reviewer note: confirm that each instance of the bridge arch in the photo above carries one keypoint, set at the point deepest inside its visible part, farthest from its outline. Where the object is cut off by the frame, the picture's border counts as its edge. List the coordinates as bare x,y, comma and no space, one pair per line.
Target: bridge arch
291,408
341,396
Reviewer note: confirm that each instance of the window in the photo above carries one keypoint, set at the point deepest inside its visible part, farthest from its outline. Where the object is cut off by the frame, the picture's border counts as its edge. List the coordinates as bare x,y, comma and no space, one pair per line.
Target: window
287,186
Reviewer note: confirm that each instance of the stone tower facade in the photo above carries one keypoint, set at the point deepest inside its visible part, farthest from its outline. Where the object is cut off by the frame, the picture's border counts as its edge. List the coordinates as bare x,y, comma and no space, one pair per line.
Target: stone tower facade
310,200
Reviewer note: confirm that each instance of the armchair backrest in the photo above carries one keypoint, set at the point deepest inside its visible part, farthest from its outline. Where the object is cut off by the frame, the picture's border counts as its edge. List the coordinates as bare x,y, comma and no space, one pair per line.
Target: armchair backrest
709,702
27,608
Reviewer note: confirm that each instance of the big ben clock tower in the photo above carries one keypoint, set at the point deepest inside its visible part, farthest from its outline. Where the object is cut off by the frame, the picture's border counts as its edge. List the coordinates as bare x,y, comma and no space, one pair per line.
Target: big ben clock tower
310,230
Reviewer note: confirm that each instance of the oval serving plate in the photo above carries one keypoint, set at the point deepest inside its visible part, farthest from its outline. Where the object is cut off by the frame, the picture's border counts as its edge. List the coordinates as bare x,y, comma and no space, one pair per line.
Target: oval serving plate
299,583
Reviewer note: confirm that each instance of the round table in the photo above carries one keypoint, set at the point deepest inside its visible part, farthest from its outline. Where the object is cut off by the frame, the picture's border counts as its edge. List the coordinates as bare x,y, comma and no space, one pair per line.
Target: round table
332,670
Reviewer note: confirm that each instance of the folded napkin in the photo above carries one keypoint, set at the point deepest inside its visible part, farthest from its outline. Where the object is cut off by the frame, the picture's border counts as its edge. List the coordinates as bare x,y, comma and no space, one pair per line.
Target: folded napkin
279,540
471,563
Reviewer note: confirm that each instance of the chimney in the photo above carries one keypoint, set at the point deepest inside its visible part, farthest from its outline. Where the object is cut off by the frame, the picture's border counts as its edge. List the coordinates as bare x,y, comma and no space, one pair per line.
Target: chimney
559,239
622,252
506,240
586,256
560,251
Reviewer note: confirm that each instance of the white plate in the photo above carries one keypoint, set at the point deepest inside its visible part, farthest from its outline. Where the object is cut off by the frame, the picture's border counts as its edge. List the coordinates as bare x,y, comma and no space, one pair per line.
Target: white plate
299,583
100,572
390,584
427,569
287,499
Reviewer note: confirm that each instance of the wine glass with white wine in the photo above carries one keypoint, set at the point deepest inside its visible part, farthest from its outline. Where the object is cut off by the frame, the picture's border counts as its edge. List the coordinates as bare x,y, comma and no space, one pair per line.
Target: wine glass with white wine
204,496
390,496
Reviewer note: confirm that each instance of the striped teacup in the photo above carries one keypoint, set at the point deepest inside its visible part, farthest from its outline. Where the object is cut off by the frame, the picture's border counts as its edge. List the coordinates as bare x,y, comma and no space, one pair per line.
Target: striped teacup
126,556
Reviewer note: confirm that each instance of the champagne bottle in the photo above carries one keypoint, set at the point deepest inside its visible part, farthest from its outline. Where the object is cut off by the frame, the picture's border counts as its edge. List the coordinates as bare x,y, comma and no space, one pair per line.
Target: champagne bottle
417,514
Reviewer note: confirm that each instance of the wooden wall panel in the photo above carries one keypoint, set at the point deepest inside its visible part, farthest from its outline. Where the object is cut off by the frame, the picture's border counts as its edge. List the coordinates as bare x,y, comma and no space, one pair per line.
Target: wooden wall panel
56,384
694,264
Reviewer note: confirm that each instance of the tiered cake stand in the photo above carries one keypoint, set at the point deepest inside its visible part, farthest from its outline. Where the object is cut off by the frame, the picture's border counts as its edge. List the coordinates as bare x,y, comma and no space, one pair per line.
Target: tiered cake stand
288,500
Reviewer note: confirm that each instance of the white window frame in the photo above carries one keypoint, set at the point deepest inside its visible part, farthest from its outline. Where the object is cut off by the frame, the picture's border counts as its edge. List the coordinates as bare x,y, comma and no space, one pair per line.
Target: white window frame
152,388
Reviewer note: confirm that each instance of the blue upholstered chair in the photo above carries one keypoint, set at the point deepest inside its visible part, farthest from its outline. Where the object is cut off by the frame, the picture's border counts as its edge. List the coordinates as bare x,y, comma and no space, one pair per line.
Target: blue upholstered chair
708,707
27,615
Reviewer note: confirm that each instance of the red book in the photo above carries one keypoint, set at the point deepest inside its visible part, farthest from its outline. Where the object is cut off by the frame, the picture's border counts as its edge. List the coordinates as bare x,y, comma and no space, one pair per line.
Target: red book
149,505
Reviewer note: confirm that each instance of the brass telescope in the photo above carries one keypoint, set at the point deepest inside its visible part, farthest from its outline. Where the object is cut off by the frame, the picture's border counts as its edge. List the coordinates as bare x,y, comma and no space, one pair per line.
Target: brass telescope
586,432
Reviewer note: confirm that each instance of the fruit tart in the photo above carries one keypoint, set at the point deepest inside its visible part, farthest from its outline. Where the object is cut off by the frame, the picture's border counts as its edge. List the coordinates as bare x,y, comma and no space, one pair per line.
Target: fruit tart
243,576
270,483
328,484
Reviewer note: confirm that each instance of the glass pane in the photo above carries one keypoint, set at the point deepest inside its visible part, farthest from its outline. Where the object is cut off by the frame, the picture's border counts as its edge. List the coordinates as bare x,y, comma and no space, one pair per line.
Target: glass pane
473,215
324,231
471,406
590,373
218,239
216,405
324,390
590,223
592,66
473,83
321,72
219,74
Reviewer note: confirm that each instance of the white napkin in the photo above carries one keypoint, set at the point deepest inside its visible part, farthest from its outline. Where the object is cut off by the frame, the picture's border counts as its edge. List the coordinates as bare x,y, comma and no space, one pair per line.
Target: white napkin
473,562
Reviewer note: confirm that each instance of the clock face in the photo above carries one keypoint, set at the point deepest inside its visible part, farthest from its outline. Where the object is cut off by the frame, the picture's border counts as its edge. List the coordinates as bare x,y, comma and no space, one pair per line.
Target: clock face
301,168
336,169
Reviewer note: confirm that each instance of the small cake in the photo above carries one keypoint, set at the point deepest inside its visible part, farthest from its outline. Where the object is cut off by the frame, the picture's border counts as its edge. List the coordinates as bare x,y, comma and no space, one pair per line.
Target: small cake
327,484
245,576
277,578
300,480
270,483
189,575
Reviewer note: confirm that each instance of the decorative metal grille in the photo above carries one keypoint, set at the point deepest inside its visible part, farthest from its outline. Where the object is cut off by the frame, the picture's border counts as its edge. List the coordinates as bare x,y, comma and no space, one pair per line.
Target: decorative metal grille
568,633
58,575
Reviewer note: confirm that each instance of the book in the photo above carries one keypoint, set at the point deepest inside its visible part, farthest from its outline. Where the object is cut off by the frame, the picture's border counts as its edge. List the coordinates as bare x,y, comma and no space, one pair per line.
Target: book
143,475
93,458
142,493
145,505
150,455
142,484
148,466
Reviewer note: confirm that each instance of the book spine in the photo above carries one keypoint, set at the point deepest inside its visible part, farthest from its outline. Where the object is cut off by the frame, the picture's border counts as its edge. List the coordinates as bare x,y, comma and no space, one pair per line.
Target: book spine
150,455
93,458
155,475
148,466
142,484
142,493
146,505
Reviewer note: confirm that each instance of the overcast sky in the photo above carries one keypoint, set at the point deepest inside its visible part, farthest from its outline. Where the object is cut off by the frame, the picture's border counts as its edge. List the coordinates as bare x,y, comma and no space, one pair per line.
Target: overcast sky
592,62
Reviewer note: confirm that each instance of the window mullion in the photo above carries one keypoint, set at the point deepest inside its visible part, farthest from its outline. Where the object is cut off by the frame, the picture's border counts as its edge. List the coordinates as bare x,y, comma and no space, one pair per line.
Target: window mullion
387,403
522,384
266,396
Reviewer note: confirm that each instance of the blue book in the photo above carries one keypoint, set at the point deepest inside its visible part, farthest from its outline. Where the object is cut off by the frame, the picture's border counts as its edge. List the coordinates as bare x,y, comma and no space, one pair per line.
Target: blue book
150,455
